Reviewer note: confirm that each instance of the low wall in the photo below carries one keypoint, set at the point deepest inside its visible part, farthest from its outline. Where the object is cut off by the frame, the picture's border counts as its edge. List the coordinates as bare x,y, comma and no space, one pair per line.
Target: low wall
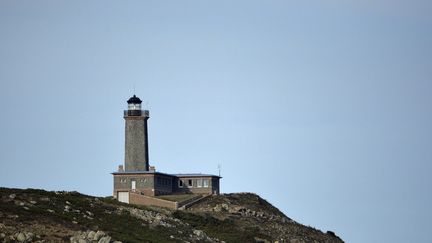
139,199
184,202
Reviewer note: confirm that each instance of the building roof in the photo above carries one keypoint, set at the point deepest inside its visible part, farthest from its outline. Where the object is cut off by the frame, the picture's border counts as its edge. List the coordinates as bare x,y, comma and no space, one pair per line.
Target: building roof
195,175
140,172
134,100
165,174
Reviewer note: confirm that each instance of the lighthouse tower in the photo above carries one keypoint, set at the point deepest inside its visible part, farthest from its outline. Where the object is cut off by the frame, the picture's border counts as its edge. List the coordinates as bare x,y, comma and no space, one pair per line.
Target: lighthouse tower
136,137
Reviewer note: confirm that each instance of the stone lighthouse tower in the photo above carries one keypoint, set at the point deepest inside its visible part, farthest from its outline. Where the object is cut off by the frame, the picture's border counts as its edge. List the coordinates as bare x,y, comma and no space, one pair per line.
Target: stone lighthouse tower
136,137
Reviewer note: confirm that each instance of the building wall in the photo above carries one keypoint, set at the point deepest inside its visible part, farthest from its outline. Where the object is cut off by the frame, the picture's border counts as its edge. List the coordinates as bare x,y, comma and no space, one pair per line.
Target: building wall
196,187
136,150
144,183
215,185
162,184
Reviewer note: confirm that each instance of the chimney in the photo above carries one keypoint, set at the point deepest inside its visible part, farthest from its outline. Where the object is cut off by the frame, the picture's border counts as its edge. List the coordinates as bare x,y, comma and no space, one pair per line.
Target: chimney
152,168
120,168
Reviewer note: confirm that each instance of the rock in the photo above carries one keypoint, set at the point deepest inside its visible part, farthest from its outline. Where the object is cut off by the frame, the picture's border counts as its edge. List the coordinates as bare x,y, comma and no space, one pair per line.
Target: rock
89,213
44,199
259,240
67,208
20,237
26,208
2,235
199,233
50,210
91,234
99,234
12,196
33,202
68,203
14,216
220,207
105,239
296,241
29,236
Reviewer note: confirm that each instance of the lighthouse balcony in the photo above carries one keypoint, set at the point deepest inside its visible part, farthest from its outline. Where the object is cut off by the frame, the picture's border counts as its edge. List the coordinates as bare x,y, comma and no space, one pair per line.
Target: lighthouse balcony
143,113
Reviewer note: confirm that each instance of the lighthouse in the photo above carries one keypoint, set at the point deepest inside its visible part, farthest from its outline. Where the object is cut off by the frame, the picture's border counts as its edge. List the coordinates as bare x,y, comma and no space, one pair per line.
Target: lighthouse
135,183
136,137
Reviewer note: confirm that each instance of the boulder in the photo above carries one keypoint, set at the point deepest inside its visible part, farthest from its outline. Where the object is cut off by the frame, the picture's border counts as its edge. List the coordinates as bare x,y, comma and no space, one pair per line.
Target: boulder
29,236
91,234
99,234
20,237
105,239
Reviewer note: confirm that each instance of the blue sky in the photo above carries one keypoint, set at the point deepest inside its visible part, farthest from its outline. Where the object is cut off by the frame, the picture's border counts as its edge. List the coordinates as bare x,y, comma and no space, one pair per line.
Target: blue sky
321,107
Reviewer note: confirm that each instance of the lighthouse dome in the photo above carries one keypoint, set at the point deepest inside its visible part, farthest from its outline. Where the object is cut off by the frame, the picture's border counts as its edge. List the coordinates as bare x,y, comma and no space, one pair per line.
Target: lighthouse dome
134,100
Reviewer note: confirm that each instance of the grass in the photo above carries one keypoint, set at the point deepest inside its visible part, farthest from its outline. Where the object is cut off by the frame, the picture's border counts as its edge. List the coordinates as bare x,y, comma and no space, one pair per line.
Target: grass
105,217
177,198
226,230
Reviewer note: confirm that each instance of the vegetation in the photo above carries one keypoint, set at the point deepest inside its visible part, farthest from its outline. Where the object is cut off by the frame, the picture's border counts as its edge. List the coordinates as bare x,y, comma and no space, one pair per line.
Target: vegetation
57,216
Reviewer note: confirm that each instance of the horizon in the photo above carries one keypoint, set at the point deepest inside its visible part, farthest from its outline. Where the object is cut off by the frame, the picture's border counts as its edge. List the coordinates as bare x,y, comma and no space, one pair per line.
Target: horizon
322,109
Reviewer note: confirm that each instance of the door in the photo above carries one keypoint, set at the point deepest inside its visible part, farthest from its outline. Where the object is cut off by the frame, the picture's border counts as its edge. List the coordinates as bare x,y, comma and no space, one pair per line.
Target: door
123,197
133,185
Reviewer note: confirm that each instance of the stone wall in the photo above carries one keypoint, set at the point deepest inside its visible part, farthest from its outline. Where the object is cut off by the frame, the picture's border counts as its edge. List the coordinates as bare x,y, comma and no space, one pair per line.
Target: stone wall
144,183
136,143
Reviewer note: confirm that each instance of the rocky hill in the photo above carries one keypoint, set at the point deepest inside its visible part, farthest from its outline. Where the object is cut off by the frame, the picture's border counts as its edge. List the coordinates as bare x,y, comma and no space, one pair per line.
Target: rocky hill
39,216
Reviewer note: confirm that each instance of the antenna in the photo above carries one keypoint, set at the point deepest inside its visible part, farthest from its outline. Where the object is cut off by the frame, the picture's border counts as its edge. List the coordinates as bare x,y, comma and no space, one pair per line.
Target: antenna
219,169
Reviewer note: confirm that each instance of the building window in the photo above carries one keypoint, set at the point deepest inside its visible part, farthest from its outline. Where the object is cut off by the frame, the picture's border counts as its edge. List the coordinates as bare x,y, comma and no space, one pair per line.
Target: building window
143,180
122,180
206,182
180,183
199,183
190,183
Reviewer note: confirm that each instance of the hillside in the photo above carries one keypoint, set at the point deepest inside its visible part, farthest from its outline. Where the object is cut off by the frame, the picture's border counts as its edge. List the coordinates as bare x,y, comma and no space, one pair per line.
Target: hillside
32,215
